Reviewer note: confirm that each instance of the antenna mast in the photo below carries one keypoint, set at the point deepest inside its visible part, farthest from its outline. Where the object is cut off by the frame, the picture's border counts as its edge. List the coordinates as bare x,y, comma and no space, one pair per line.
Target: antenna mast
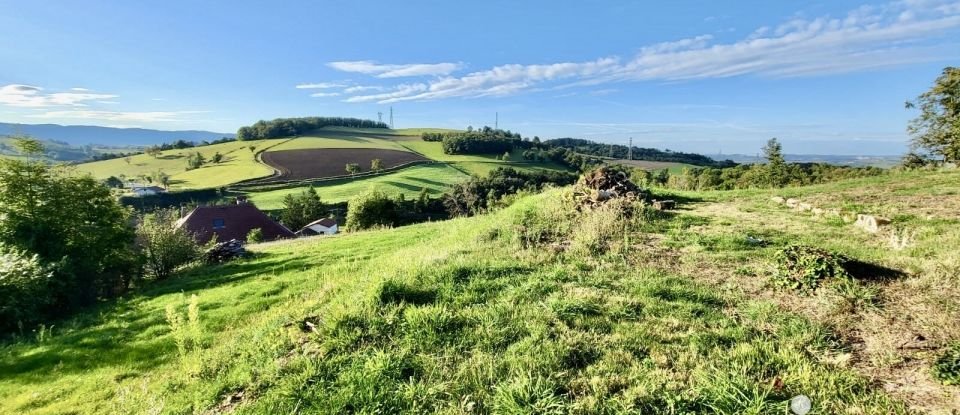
496,121
380,116
630,150
391,117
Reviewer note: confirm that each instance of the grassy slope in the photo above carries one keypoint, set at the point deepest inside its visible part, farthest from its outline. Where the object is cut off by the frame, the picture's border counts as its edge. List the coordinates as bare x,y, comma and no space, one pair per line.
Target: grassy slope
238,164
457,317
894,325
435,178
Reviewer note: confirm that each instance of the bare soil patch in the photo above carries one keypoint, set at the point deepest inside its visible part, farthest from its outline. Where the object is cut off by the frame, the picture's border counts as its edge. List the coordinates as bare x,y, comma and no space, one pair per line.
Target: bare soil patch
331,162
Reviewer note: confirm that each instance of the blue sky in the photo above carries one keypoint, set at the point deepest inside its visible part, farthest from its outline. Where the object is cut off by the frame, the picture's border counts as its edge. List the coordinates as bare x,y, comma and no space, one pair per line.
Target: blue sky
825,77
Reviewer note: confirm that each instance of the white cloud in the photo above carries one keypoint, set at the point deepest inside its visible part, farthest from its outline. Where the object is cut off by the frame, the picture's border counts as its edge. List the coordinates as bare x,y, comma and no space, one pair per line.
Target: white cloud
118,116
16,95
322,85
866,38
324,94
355,89
395,71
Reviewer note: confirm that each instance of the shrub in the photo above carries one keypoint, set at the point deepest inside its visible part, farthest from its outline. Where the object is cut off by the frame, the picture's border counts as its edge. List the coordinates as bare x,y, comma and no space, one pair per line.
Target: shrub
255,236
947,366
804,267
371,209
23,286
164,246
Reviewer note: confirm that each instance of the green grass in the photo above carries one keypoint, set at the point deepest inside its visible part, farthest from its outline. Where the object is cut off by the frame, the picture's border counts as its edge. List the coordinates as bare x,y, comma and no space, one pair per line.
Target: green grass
238,164
436,178
479,315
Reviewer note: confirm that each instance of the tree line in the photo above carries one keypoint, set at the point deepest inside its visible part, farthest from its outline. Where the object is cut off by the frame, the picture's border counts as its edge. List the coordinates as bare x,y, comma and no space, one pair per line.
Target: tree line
290,127
639,153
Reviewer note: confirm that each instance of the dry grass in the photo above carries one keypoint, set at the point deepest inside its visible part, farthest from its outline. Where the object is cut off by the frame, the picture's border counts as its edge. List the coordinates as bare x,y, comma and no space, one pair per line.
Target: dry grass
895,325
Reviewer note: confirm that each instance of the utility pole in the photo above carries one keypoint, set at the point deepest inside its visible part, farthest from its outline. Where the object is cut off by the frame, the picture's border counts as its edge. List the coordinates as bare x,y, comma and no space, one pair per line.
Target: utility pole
496,121
630,150
391,117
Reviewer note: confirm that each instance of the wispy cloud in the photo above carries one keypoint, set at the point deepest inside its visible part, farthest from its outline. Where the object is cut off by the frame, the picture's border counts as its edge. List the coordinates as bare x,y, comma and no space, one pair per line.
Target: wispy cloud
16,95
322,85
324,94
360,88
867,38
395,71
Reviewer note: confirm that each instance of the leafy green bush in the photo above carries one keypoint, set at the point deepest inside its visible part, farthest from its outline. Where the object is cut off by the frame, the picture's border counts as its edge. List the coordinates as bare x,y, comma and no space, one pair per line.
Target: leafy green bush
371,209
255,236
164,246
804,267
23,286
947,367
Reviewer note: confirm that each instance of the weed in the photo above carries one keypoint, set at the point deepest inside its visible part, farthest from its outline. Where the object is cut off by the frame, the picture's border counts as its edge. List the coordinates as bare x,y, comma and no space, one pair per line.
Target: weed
804,268
947,366
187,334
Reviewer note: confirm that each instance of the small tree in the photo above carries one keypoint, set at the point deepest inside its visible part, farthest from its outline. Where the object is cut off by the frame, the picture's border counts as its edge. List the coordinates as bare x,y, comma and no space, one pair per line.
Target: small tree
164,246
506,156
371,209
376,164
127,159
113,182
937,129
153,151
255,236
299,210
23,287
216,158
195,161
776,169
353,168
423,200
252,148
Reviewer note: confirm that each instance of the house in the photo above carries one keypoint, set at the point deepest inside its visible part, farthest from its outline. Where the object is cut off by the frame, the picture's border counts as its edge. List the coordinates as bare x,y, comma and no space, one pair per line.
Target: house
141,190
226,222
325,226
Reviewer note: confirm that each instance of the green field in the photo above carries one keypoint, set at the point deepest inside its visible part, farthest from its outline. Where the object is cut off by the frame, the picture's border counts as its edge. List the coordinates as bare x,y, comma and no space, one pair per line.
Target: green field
409,181
660,314
340,141
238,164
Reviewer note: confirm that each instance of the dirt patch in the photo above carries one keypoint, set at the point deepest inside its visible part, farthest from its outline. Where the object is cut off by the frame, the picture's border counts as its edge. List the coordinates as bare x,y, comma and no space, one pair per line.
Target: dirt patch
331,162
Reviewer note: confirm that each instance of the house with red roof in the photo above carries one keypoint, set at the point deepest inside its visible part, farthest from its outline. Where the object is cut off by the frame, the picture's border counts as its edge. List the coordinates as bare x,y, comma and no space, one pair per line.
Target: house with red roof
226,222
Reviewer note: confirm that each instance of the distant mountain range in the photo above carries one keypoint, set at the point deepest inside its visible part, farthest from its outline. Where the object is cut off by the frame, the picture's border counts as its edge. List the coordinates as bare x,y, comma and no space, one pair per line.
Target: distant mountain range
876,161
79,135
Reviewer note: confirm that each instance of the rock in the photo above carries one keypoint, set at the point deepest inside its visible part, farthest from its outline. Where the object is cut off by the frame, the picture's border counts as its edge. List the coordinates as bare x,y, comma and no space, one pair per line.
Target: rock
778,200
800,405
604,184
871,223
817,211
664,204
792,203
804,207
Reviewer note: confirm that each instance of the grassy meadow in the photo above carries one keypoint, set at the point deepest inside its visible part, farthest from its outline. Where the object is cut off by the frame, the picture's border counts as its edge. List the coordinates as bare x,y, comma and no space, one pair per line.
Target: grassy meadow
436,178
531,309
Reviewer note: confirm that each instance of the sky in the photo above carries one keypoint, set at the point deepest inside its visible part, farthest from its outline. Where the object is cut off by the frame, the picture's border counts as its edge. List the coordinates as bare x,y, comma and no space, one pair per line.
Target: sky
825,77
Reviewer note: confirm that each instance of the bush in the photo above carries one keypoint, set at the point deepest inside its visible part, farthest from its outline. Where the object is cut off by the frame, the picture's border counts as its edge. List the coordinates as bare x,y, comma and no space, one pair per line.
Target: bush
255,236
371,209
164,246
805,268
24,285
947,366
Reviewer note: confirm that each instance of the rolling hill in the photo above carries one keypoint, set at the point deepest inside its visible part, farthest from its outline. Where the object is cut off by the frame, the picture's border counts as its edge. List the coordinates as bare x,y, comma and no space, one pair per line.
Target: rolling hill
81,135
536,308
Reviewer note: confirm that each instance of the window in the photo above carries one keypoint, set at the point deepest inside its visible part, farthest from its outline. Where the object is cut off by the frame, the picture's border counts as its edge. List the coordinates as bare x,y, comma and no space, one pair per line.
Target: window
219,224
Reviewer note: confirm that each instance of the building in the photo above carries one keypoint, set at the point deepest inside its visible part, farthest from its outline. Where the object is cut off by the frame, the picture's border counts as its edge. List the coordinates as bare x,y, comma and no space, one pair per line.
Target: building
141,190
226,222
325,226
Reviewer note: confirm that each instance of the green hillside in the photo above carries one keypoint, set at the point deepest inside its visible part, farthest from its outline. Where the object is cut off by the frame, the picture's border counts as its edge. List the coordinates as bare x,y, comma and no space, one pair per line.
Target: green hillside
409,181
535,309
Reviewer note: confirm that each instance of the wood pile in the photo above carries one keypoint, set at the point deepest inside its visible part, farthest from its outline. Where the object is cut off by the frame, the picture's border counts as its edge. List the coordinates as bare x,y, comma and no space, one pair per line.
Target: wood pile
225,251
603,184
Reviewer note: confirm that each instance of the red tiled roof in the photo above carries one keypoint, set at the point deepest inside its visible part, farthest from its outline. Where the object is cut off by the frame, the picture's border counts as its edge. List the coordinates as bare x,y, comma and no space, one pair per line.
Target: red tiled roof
232,222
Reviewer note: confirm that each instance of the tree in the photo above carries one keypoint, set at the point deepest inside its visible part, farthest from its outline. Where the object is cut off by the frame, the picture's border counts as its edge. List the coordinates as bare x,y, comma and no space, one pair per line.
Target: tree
164,246
252,148
161,178
937,129
24,287
353,168
371,209
153,151
113,182
299,210
376,164
71,222
423,201
776,168
127,159
506,156
195,161
216,158
255,236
